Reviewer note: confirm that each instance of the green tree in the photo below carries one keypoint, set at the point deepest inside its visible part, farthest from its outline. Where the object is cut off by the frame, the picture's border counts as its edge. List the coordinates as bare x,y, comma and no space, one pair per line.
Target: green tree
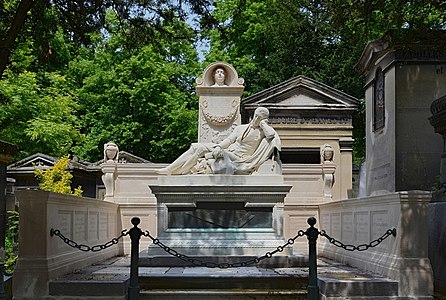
141,96
40,114
273,40
57,179
39,20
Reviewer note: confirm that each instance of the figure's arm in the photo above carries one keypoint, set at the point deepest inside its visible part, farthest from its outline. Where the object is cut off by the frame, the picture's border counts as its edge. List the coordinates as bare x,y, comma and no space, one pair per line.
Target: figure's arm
217,152
229,140
268,131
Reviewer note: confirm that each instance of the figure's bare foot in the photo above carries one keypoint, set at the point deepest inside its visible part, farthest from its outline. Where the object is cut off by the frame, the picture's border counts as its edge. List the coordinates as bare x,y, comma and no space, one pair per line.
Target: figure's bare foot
164,171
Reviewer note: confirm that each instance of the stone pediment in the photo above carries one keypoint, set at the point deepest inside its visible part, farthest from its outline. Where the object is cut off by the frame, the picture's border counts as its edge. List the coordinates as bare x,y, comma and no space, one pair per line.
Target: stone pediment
32,161
42,160
302,93
28,164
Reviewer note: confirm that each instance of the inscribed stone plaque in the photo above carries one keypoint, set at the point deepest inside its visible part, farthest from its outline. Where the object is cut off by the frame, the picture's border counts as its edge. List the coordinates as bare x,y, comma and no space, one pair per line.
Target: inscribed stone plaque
65,222
336,225
296,222
93,226
325,222
347,227
112,230
220,215
362,227
80,226
380,224
380,178
103,226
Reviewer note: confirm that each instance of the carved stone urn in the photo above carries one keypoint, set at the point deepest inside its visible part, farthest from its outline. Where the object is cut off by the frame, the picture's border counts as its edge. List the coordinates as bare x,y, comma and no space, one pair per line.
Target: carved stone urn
111,151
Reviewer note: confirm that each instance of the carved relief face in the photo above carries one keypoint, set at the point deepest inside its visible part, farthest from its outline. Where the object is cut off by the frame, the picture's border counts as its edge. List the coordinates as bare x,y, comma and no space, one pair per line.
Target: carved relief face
219,76
327,153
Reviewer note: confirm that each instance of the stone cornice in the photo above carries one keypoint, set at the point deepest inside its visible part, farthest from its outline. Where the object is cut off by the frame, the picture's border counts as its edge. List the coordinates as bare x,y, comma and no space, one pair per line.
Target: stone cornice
412,43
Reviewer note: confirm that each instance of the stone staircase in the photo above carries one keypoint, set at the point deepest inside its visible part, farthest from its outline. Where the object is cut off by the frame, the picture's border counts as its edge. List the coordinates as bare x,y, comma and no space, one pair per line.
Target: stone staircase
110,279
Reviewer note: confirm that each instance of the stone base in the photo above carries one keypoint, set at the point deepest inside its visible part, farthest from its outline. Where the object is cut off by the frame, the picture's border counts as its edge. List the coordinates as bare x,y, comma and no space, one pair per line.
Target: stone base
252,246
277,261
209,215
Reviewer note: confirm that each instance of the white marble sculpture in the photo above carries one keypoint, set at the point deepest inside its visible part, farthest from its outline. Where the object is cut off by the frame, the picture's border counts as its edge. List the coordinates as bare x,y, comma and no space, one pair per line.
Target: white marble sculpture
219,91
111,152
327,153
328,169
241,153
111,155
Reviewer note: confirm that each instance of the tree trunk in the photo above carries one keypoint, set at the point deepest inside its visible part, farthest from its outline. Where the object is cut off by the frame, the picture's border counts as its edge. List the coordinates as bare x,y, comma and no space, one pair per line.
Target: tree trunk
7,42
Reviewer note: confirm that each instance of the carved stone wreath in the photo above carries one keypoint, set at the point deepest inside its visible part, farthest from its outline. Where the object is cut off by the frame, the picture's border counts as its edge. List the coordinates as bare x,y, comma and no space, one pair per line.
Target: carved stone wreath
219,120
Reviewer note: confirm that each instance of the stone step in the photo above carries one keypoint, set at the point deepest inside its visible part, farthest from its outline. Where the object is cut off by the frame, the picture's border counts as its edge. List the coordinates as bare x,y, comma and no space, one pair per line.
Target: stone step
214,245
166,260
110,279
342,282
244,278
223,295
95,287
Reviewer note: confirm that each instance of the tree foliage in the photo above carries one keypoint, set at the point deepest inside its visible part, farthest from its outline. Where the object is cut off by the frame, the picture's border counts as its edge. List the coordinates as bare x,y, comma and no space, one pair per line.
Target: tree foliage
76,74
40,114
140,98
131,82
269,41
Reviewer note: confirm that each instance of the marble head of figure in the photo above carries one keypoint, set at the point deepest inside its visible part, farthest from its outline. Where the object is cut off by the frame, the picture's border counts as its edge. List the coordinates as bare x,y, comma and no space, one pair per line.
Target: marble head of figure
220,74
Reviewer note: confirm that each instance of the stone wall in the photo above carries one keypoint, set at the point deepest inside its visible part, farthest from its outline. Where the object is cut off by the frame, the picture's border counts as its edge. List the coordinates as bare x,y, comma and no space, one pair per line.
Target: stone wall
359,221
43,257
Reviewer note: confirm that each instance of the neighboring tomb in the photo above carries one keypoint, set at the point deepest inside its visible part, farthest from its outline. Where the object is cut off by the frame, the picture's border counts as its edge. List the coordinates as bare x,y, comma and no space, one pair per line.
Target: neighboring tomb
405,72
307,115
437,207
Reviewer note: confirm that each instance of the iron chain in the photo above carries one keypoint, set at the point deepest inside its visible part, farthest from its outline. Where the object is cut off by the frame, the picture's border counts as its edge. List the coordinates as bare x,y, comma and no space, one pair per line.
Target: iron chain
208,264
361,247
87,248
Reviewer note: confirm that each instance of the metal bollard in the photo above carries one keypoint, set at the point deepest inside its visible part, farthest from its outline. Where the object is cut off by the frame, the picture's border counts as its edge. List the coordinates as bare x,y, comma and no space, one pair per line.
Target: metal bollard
312,233
135,234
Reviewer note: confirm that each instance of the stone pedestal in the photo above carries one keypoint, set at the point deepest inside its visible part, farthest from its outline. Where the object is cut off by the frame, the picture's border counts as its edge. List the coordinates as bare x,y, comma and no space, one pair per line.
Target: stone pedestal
219,100
209,215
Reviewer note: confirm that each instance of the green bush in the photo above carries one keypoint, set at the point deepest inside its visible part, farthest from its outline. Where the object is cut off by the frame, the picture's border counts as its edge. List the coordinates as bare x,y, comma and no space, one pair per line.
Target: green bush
11,241
57,179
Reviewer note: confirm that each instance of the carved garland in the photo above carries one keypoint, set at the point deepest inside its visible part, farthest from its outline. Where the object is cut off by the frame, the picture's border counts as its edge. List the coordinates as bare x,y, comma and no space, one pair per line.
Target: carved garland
219,120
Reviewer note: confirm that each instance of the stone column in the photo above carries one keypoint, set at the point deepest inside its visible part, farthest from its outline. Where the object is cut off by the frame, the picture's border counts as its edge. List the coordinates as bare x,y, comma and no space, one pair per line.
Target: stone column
346,162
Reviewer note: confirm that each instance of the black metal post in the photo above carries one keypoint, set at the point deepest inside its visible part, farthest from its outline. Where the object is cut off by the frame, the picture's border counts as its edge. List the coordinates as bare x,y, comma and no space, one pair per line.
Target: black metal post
135,234
312,234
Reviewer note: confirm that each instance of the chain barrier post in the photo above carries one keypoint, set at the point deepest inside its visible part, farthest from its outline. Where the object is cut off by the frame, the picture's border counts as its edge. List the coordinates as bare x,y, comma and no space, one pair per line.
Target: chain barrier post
312,234
135,234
